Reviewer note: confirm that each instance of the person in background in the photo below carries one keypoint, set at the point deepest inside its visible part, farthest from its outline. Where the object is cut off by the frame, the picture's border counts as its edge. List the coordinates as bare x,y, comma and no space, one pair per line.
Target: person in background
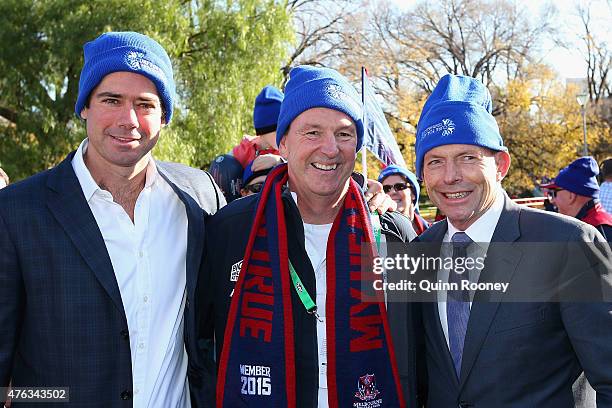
4,178
260,150
227,173
605,190
403,187
253,181
575,192
265,118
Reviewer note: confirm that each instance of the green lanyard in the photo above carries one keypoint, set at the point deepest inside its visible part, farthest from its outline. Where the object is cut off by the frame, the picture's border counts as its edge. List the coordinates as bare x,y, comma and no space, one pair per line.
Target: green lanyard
309,304
376,228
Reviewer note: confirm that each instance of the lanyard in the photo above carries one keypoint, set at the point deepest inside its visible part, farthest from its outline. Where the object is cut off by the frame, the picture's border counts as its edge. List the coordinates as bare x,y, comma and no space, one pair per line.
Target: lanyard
309,305
303,294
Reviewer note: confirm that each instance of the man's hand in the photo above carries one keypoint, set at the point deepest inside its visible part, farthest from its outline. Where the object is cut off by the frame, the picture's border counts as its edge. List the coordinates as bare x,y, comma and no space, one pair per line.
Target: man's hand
377,199
267,161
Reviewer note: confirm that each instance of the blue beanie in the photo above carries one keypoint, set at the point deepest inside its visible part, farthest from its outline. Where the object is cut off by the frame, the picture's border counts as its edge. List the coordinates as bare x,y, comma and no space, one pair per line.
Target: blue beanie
458,111
408,175
249,174
580,177
267,107
310,87
129,52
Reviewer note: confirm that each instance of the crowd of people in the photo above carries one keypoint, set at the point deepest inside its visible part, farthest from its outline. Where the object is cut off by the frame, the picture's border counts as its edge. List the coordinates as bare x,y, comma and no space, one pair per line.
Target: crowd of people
137,282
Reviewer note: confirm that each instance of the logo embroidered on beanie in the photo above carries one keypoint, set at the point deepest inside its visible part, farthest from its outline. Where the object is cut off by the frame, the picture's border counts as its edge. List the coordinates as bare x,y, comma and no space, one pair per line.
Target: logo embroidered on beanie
136,61
446,126
337,92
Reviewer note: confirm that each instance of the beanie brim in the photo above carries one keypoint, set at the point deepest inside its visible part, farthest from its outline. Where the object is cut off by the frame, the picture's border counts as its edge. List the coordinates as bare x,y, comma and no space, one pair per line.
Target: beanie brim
456,122
126,52
305,98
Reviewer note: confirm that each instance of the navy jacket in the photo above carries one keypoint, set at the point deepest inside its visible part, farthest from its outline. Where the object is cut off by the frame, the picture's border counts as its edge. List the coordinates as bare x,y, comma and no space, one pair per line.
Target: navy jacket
62,317
526,354
227,235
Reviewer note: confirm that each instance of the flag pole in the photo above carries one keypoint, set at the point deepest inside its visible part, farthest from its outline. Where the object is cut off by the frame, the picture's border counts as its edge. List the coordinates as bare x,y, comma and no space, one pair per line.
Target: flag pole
364,162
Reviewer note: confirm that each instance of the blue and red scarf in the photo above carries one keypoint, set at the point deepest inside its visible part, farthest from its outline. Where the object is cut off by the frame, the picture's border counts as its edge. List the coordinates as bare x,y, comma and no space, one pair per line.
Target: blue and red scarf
257,367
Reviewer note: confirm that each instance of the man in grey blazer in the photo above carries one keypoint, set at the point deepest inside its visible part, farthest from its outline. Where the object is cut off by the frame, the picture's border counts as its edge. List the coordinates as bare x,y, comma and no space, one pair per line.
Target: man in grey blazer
525,347
99,256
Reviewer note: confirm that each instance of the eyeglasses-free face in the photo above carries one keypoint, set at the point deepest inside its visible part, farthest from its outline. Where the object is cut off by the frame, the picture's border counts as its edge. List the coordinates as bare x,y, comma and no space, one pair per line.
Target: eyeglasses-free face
397,187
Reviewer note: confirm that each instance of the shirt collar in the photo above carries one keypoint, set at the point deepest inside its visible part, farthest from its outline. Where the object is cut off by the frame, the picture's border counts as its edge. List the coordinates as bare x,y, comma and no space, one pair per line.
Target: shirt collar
481,231
87,182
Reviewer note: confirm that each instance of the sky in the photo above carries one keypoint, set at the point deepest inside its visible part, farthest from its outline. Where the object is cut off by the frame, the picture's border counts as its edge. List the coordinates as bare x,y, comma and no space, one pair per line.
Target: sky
568,62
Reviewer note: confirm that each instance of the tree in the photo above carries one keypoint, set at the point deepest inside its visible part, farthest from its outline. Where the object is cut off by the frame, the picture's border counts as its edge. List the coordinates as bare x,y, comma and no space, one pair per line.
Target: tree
485,39
223,53
320,32
231,53
597,56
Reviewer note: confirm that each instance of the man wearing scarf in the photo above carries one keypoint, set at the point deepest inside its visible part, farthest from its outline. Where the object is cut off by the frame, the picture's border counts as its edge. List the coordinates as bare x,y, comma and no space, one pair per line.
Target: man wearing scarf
576,193
281,294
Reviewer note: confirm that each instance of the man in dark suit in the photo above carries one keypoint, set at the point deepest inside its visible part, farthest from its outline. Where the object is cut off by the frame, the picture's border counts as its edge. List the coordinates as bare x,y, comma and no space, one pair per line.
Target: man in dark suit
524,347
99,256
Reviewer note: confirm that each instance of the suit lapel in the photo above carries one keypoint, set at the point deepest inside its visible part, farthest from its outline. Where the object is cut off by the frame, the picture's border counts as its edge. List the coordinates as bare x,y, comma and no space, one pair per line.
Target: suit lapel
195,235
501,263
67,203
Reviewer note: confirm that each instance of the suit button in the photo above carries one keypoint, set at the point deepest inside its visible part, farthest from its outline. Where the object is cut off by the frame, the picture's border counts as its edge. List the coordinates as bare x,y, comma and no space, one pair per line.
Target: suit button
126,395
464,404
125,334
187,304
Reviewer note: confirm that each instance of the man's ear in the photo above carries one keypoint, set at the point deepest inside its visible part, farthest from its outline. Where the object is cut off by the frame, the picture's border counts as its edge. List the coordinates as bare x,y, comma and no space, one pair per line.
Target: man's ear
282,148
502,161
571,197
84,113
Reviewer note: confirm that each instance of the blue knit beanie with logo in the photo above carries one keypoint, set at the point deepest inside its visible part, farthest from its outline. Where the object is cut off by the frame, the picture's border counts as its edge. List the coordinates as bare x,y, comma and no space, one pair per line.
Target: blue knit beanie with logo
408,175
128,52
311,87
267,108
458,111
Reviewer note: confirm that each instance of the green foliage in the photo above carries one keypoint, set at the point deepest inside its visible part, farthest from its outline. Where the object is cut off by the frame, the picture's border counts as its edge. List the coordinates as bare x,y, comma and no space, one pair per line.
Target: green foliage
223,53
232,53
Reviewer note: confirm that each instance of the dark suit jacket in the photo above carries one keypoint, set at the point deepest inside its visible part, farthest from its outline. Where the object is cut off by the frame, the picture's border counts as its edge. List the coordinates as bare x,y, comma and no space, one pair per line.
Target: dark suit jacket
62,317
527,354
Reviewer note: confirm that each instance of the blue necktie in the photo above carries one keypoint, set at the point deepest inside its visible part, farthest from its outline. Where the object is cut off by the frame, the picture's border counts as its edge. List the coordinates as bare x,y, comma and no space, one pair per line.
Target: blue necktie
458,303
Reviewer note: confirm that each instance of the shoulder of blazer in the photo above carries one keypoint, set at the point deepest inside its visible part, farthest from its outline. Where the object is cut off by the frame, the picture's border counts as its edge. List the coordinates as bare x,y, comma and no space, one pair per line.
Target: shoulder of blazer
197,183
57,179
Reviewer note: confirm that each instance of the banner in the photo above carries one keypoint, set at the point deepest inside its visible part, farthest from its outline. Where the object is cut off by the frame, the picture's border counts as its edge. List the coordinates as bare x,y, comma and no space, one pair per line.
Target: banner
378,137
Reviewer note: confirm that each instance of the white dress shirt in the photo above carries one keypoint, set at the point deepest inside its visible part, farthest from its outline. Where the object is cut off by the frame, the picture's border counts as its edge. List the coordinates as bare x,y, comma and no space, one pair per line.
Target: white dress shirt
316,237
148,258
480,232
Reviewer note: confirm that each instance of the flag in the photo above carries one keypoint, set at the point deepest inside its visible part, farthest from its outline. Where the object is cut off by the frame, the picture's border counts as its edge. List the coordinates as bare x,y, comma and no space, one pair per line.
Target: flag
378,138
